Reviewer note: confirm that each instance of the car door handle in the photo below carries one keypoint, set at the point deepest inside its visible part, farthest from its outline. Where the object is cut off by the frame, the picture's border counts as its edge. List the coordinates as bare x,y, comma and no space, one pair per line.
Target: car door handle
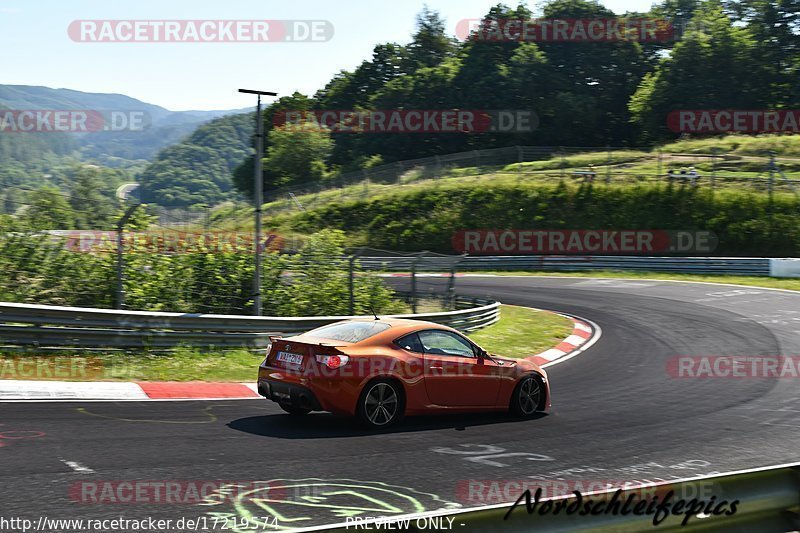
438,367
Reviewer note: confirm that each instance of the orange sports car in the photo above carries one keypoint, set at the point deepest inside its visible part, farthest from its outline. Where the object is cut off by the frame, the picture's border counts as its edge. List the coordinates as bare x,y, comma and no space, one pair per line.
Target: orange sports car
380,370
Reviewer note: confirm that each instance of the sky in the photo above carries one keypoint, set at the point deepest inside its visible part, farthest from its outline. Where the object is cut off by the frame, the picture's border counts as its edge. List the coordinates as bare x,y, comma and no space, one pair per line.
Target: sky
37,48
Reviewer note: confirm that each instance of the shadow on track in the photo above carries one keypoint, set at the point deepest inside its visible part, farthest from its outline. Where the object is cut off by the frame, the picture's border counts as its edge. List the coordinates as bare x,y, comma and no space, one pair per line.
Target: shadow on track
325,425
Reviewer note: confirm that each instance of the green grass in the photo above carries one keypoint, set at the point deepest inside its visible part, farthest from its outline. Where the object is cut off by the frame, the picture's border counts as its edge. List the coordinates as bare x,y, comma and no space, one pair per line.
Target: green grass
184,364
754,281
519,332
740,158
787,145
522,332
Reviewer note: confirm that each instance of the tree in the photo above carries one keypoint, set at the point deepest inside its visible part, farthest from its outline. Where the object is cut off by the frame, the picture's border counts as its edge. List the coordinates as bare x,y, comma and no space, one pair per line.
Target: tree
92,197
296,154
715,66
276,114
49,209
430,45
775,26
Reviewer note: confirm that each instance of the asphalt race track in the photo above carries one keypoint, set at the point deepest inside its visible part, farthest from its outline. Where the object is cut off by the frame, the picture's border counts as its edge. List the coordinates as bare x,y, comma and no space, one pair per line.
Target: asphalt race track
617,415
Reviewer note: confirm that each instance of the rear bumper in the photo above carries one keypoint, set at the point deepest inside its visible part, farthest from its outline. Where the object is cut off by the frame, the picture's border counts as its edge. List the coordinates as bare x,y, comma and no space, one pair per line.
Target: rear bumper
289,393
336,394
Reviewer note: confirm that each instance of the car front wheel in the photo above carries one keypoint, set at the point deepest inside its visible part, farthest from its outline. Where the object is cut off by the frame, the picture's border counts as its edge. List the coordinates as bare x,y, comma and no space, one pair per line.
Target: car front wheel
527,397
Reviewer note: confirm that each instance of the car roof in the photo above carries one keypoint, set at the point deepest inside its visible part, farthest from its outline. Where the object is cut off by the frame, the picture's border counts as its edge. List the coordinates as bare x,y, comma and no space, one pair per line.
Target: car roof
397,328
402,323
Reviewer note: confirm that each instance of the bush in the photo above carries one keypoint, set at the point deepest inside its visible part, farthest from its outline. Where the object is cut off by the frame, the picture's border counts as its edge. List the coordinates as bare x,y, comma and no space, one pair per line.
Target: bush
39,269
747,223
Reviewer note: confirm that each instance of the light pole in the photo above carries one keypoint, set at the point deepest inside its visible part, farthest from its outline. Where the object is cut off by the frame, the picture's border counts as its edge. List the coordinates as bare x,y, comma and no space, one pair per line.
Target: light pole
258,196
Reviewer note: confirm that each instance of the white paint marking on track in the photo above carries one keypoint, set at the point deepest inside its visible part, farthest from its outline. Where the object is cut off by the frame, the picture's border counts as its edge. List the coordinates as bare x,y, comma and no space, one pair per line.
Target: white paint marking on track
77,467
72,390
252,386
574,340
588,344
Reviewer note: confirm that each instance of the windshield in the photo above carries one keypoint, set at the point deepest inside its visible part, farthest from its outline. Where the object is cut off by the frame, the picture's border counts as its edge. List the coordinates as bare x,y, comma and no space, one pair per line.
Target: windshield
349,331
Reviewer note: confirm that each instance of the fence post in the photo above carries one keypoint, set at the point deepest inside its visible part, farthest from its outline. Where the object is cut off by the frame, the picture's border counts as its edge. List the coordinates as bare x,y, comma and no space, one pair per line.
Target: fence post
451,286
608,165
414,285
120,300
351,283
658,169
771,175
714,152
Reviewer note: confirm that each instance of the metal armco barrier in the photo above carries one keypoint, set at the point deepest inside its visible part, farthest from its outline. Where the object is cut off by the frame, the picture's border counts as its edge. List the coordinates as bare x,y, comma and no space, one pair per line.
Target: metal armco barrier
745,266
54,326
768,501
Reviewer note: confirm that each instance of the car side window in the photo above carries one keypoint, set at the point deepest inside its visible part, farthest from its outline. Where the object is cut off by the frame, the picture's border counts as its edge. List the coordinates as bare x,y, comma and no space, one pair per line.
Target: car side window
440,342
410,342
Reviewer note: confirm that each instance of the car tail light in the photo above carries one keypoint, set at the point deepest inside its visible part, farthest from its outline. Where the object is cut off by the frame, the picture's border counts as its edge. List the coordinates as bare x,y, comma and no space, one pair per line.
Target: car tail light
332,361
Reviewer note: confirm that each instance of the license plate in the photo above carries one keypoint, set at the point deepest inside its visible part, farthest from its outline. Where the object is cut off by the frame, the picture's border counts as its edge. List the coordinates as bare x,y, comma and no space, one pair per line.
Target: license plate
290,358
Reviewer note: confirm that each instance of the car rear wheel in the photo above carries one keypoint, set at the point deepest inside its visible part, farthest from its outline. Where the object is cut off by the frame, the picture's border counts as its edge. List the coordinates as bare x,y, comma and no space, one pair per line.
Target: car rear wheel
380,404
527,397
292,410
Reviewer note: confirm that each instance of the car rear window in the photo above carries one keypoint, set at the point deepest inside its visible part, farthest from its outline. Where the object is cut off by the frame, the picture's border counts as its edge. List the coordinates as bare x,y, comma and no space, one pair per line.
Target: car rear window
349,331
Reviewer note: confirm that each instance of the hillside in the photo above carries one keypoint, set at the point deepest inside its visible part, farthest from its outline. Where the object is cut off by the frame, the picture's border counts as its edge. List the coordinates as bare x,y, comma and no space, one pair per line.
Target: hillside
30,161
198,170
165,127
420,212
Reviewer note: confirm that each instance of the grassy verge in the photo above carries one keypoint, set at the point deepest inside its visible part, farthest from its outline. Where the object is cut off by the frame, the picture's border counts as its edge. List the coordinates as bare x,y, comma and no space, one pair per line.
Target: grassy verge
184,364
522,332
519,333
755,281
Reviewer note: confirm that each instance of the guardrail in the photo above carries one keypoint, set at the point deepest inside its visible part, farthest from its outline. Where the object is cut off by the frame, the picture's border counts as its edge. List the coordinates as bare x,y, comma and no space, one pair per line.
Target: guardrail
768,500
745,266
55,326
